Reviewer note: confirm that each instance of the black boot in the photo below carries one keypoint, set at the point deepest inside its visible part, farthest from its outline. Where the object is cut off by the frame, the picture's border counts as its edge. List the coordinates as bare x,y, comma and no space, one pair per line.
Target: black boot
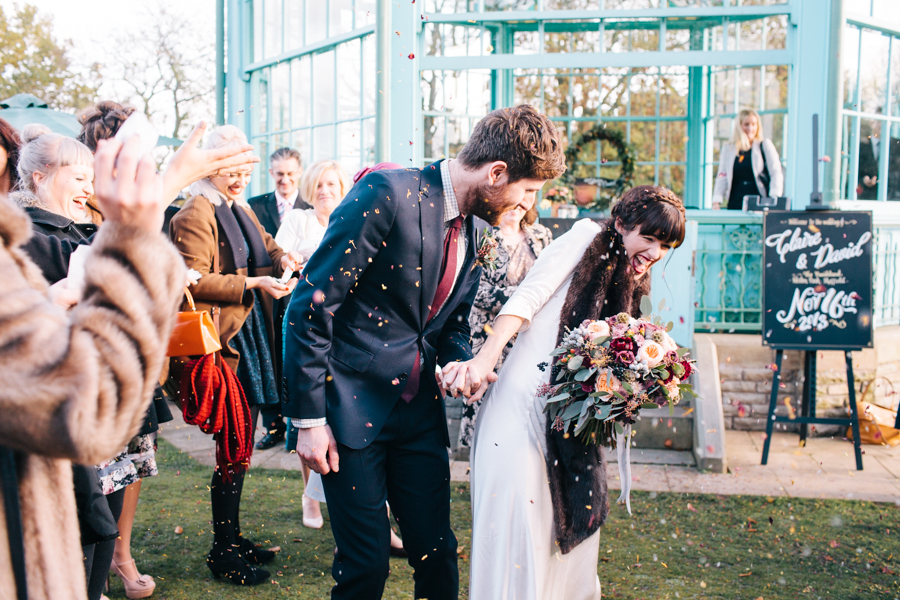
233,567
255,555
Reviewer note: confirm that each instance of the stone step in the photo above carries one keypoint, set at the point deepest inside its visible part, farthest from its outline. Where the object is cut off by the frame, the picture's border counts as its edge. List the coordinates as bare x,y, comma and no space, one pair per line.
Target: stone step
657,429
646,456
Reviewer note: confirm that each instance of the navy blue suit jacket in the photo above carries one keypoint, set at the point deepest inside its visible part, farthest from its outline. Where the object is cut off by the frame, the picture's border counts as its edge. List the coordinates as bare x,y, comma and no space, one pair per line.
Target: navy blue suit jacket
266,208
358,315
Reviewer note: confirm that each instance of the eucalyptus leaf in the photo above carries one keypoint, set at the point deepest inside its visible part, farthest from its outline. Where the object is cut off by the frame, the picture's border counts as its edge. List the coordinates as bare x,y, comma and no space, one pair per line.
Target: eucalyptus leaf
661,306
558,397
682,351
619,429
603,411
677,369
571,411
649,405
599,394
670,326
585,374
627,387
646,306
575,363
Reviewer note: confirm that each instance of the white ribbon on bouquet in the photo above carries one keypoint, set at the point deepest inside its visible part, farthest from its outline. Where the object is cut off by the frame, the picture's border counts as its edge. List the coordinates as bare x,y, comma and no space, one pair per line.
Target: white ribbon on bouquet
623,454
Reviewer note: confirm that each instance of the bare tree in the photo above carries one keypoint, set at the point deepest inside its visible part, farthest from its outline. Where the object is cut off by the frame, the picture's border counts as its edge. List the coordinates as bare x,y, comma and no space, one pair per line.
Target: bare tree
167,70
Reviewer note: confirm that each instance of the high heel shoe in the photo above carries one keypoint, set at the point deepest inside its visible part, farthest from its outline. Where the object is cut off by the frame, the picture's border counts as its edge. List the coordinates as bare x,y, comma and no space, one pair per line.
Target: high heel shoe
309,521
255,555
142,587
236,569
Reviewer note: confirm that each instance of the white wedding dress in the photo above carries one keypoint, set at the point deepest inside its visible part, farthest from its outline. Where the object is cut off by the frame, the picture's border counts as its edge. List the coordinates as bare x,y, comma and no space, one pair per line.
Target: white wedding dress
514,553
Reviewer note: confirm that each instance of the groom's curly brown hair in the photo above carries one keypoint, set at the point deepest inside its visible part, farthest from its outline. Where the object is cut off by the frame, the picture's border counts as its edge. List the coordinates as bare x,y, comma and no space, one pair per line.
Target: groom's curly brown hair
520,136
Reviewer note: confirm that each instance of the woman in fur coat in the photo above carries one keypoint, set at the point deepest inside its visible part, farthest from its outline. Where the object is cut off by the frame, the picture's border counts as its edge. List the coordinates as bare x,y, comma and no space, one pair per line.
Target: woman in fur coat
76,384
539,497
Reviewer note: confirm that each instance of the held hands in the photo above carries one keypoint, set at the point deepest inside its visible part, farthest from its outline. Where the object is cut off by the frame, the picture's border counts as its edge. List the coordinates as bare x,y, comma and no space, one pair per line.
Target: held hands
318,450
470,378
271,286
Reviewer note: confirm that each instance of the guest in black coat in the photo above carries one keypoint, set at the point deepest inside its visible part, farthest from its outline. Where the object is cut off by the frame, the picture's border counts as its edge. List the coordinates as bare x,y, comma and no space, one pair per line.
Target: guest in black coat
285,167
388,297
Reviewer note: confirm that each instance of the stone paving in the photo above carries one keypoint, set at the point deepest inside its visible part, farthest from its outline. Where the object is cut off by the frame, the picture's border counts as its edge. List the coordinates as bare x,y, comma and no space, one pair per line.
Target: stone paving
824,468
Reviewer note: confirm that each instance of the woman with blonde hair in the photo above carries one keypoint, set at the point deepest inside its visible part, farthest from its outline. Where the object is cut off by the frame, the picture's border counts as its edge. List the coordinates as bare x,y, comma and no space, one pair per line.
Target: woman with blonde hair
748,166
322,186
217,222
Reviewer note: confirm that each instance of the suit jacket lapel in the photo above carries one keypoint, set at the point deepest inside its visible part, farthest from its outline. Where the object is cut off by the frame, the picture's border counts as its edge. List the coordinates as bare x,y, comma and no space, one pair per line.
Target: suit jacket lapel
431,219
271,205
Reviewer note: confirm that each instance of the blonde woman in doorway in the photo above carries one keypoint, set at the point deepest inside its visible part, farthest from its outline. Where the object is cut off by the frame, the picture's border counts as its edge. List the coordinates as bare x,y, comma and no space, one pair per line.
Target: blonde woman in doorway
748,166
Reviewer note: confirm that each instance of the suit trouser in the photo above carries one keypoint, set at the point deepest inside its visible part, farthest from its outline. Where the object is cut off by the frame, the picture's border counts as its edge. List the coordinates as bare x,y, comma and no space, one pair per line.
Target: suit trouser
407,465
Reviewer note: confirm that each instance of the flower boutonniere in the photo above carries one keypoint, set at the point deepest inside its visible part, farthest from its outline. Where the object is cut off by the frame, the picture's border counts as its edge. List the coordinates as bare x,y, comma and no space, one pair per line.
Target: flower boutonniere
487,251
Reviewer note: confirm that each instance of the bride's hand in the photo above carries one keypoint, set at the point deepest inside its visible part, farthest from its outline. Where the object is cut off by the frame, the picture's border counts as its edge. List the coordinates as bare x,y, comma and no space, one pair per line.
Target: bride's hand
466,378
479,393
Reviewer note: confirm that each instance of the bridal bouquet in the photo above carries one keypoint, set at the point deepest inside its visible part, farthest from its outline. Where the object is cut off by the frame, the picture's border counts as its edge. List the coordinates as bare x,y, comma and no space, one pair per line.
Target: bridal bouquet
606,371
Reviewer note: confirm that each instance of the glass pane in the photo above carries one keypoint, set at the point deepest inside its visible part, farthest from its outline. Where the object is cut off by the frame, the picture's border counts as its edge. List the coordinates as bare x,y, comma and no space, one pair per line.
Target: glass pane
573,4
870,149
369,73
492,5
724,94
614,93
748,93
751,34
588,160
776,32
279,96
773,129
263,102
369,133
450,6
349,141
435,134
850,66
677,39
776,87
365,13
528,90
323,143
300,83
348,74
672,177
316,13
259,181
893,182
895,79
644,175
556,93
525,42
323,87
673,93
585,95
458,131
572,36
620,35
257,30
873,71
293,34
608,153
643,94
886,11
643,139
340,17
673,141
432,83
273,27
300,143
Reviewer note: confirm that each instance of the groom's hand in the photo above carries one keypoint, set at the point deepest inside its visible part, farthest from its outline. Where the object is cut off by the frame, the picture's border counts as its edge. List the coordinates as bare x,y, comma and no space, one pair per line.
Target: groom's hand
317,449
477,394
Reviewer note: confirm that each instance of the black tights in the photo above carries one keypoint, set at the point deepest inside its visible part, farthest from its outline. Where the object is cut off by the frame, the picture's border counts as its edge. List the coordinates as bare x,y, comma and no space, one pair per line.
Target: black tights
226,506
98,557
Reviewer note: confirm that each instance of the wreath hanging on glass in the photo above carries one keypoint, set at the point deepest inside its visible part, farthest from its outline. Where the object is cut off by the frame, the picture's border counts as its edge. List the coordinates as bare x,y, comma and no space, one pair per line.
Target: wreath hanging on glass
598,193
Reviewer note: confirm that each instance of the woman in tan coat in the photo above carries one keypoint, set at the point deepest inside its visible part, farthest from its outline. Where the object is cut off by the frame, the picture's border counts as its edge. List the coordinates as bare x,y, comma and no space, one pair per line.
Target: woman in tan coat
217,221
76,385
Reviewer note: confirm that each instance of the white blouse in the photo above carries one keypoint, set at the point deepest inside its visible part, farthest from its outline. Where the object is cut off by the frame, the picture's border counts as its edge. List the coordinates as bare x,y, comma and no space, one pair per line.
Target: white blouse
300,232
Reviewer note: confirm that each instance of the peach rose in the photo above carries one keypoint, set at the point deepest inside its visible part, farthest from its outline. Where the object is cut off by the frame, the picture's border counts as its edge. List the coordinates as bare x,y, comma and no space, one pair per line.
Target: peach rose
606,382
598,329
651,353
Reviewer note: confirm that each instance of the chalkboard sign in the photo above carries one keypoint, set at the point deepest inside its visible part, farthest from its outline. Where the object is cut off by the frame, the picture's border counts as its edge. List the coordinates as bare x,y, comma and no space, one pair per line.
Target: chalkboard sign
817,284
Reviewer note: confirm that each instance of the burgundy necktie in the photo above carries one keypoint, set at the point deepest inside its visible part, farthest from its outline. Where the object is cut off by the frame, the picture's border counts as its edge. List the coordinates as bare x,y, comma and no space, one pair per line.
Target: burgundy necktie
445,285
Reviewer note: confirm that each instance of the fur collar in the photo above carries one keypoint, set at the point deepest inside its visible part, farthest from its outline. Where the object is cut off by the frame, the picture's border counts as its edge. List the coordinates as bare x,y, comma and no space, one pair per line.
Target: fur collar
601,287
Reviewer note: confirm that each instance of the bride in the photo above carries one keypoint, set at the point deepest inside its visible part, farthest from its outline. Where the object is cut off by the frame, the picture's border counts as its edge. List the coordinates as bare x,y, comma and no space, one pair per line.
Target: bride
538,496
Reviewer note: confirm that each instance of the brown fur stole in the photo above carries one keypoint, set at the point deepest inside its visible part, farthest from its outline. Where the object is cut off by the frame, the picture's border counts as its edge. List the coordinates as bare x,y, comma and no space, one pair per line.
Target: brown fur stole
602,286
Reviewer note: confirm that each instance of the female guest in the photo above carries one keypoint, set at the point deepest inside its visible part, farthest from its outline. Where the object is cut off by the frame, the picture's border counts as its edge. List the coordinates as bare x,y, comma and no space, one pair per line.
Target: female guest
78,385
322,186
9,158
531,541
748,166
520,243
217,220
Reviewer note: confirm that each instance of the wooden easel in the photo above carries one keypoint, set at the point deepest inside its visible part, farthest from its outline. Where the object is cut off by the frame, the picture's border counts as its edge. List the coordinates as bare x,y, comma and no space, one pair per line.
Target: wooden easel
808,404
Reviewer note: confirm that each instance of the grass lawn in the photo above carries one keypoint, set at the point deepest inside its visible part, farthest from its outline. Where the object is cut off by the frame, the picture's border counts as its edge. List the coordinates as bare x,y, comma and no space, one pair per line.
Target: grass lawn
675,546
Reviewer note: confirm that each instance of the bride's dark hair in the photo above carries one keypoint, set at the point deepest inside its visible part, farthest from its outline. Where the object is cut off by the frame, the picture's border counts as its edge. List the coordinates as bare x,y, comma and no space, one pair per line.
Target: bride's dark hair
601,285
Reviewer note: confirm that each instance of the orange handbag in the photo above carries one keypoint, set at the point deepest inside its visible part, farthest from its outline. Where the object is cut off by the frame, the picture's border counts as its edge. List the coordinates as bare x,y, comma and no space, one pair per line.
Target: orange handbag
194,333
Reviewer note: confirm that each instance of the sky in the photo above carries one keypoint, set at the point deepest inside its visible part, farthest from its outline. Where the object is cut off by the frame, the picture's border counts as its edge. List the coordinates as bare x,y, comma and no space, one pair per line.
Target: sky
86,21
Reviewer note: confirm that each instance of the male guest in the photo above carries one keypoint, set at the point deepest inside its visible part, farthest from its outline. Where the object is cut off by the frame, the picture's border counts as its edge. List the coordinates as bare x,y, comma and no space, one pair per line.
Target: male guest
285,168
374,314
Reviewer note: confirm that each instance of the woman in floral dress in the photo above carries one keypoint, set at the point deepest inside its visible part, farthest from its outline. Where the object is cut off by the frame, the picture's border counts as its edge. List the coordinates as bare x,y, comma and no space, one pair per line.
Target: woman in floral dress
520,242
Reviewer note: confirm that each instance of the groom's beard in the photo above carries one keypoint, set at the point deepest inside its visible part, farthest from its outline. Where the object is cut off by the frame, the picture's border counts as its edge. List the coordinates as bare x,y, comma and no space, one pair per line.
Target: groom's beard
489,202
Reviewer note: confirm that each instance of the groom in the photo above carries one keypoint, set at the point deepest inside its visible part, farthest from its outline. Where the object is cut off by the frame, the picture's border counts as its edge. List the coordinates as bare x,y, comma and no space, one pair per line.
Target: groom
384,299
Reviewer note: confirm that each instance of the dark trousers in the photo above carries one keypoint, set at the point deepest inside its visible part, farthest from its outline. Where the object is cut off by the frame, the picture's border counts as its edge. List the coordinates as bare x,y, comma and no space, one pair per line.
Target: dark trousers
408,466
271,417
98,557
